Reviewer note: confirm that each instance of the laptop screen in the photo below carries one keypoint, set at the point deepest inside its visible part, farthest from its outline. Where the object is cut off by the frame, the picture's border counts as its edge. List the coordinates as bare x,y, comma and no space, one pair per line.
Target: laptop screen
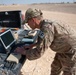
7,39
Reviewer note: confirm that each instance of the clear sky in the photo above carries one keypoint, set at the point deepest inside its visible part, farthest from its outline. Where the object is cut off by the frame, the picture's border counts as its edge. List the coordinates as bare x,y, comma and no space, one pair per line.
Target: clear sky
32,1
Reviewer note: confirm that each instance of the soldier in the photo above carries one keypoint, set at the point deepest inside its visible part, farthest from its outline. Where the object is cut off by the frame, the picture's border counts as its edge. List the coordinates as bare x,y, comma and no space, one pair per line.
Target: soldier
59,37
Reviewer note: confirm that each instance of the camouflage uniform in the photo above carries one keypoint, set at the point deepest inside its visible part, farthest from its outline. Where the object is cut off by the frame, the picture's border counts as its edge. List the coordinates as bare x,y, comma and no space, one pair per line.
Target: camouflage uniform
63,60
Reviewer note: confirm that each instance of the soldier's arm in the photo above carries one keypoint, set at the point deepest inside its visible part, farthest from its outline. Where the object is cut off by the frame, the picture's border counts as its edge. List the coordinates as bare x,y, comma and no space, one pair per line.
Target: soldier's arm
42,45
37,51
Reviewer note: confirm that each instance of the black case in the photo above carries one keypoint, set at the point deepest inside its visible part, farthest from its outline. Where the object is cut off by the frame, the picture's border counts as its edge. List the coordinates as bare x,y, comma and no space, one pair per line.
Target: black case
11,19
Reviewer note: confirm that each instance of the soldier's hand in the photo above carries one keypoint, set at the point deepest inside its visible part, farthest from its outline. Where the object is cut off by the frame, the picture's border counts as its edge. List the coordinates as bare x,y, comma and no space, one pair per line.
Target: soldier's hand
28,47
20,50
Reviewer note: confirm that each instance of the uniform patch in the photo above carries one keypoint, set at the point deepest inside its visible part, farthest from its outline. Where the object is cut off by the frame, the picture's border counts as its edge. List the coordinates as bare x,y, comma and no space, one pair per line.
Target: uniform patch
41,35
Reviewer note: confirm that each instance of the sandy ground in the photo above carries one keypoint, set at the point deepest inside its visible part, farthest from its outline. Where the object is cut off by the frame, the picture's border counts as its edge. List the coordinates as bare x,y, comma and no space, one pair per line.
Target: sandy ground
66,15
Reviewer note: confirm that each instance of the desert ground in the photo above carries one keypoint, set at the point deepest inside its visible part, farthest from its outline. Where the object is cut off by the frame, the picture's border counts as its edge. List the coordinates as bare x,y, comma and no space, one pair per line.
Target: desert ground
65,13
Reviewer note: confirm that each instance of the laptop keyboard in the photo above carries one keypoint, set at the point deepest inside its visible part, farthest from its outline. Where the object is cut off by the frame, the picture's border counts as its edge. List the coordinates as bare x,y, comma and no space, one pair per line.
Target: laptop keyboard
10,65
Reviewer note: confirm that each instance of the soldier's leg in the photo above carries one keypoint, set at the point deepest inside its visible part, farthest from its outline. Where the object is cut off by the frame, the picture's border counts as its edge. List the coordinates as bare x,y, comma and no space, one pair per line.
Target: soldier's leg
68,64
56,66
69,70
73,70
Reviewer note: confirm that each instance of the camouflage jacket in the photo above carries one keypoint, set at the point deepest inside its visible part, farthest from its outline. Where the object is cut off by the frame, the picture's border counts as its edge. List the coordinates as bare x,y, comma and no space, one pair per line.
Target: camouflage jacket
47,27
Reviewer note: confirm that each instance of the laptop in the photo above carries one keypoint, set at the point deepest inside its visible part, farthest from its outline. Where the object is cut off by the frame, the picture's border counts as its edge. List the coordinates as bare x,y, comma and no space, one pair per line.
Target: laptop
8,42
7,39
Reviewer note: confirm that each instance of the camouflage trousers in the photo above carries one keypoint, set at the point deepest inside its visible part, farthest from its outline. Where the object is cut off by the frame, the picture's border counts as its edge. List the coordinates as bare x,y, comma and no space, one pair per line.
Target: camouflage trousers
64,62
